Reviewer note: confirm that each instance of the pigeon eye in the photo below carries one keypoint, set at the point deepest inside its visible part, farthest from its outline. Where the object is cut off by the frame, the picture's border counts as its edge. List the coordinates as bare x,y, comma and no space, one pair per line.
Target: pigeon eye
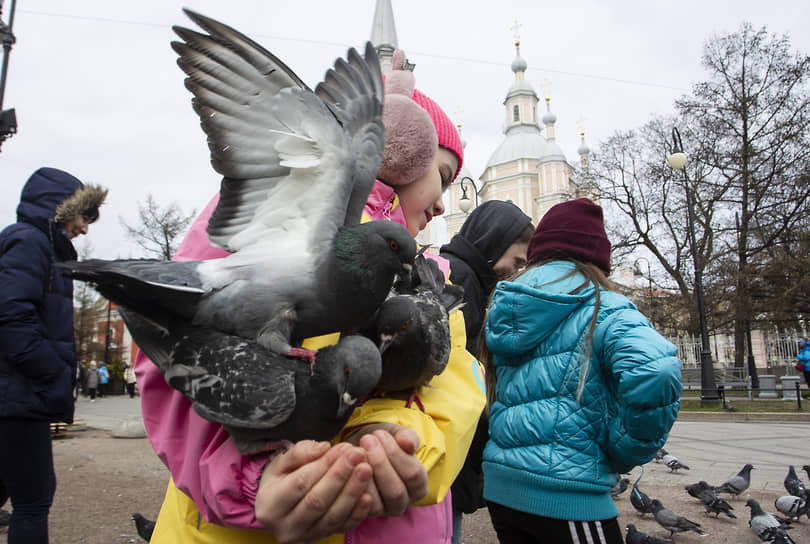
393,245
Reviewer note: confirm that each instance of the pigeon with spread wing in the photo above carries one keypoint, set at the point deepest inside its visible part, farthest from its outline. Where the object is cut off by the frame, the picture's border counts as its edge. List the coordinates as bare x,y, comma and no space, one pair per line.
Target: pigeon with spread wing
298,166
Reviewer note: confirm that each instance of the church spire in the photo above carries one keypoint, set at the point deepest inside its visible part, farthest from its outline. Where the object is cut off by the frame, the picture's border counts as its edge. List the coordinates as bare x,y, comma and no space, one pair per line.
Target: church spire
384,34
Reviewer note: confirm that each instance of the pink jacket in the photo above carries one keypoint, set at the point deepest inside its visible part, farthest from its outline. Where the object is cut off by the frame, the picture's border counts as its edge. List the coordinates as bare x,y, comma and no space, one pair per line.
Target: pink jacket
204,463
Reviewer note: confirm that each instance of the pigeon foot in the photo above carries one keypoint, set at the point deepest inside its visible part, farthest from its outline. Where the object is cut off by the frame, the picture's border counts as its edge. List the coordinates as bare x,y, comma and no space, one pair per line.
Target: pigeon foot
306,354
414,398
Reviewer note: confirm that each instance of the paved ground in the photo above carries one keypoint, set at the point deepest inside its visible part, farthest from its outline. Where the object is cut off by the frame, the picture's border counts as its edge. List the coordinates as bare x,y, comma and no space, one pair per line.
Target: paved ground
102,480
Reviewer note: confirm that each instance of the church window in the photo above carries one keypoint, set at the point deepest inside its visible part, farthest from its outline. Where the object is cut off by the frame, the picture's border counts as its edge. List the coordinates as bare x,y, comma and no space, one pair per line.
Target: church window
516,113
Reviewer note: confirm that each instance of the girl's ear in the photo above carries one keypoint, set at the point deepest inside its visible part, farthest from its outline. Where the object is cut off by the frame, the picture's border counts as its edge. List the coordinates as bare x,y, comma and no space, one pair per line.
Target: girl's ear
410,137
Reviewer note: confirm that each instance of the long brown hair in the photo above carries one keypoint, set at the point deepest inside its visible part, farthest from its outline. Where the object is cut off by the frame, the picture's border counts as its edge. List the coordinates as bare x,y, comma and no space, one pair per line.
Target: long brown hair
594,276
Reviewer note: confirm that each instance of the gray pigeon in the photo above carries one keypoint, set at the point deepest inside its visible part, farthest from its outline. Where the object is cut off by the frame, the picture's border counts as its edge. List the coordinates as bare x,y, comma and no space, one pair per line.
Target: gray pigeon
794,485
673,522
739,483
145,527
712,501
412,328
620,487
298,167
263,399
696,489
793,507
634,536
766,525
673,462
640,501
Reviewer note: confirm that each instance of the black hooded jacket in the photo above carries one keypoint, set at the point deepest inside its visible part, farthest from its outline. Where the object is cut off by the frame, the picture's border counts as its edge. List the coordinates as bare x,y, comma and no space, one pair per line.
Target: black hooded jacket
482,240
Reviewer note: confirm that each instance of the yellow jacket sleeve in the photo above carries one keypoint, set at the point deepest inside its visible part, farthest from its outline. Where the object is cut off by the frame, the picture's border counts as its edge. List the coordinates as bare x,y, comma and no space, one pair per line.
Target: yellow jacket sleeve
453,402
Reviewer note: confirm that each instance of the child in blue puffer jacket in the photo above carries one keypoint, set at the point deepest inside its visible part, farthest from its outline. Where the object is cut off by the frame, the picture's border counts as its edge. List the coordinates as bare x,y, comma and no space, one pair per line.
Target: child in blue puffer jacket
581,387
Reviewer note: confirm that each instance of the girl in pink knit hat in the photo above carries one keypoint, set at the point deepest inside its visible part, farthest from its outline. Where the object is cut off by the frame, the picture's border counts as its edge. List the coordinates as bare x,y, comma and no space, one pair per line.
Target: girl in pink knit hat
387,474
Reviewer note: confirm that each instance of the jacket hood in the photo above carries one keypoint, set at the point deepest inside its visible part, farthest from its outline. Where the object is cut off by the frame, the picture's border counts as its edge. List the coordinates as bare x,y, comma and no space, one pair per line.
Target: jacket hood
42,194
526,311
491,228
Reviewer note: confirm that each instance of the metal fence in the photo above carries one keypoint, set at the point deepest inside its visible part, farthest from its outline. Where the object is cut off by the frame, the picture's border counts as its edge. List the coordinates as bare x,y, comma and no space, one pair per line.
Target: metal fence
779,349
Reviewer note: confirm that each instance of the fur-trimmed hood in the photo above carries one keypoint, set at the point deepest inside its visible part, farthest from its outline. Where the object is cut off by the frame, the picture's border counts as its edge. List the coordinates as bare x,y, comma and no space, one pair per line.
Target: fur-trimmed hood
86,199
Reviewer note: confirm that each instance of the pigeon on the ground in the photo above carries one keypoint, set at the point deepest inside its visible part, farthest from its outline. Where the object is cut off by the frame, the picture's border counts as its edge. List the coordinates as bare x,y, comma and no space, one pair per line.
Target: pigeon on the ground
794,485
739,483
264,400
298,166
144,526
634,536
711,500
412,328
620,487
793,507
673,462
766,525
672,522
659,455
696,489
640,501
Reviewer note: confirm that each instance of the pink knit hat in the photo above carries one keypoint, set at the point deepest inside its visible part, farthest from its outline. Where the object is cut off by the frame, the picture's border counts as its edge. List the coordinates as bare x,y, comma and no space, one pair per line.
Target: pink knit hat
575,228
414,126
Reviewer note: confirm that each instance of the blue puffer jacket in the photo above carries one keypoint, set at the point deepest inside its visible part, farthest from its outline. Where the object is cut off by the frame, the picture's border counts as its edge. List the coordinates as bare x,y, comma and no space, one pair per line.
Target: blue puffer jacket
549,454
37,352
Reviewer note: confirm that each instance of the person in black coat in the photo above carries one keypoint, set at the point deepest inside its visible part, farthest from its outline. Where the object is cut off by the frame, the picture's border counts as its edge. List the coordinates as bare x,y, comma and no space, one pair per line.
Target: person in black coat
491,245
37,351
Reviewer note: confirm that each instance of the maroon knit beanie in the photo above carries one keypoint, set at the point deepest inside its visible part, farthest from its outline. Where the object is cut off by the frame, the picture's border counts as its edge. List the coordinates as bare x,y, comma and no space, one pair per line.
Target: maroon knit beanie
575,228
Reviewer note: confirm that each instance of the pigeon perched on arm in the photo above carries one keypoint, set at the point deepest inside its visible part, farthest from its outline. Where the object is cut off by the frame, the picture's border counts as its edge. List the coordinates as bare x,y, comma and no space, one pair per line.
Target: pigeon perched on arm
412,328
739,483
634,536
673,462
620,487
673,522
298,166
145,527
263,399
794,485
766,525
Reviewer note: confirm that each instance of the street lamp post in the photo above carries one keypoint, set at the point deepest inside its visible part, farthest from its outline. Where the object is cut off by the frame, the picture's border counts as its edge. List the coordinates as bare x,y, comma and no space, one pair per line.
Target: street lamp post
649,278
708,389
464,202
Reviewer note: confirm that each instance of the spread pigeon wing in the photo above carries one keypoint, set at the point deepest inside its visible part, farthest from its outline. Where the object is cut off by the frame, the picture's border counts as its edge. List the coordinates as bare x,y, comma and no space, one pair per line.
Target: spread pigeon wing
296,163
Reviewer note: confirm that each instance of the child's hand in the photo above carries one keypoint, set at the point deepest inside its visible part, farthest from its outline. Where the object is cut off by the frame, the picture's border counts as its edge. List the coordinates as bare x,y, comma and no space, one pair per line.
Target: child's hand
400,479
313,490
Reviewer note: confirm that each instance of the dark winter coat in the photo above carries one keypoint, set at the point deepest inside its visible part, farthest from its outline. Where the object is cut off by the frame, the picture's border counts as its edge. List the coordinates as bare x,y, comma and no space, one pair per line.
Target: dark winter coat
37,352
480,243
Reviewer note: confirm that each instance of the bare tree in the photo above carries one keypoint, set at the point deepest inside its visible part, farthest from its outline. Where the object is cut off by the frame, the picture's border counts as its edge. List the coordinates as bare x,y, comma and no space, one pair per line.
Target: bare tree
88,309
746,131
159,227
752,118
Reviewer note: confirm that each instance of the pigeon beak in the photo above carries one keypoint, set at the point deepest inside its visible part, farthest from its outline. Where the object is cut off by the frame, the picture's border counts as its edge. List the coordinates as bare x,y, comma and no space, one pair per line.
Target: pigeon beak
348,399
385,342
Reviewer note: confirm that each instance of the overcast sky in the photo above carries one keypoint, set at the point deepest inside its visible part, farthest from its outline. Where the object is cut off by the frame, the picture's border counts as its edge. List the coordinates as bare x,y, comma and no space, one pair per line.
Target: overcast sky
97,91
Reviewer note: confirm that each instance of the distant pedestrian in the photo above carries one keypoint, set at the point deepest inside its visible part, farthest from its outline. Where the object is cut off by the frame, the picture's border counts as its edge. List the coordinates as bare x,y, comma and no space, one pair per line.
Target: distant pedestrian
103,379
129,380
804,360
37,347
92,381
